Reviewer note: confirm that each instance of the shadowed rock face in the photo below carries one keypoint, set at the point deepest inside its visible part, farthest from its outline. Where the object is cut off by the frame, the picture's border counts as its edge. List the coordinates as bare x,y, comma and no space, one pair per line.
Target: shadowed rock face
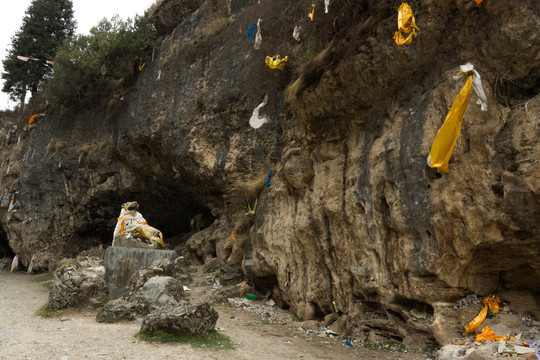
353,215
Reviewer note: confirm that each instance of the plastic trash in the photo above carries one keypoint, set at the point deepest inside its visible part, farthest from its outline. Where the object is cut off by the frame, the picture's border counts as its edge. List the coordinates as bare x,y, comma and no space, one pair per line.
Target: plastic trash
296,33
326,5
258,36
348,343
478,1
276,62
15,263
257,121
406,24
312,13
446,137
251,297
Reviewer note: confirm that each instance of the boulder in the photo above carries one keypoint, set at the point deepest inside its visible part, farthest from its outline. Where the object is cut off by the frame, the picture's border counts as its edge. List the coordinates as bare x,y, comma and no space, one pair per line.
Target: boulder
118,309
238,290
169,13
462,352
5,263
230,275
181,318
122,263
157,292
147,290
75,281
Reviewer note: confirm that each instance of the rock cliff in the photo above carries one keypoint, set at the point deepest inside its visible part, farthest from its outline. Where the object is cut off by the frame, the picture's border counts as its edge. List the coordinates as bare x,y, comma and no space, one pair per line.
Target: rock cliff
353,220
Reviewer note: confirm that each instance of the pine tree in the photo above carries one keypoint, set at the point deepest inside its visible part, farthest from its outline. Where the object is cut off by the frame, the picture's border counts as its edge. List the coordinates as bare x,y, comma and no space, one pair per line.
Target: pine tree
46,25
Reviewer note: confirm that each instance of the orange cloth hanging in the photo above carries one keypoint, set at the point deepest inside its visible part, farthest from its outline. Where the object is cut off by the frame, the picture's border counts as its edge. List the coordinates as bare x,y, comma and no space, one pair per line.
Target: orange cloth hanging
488,334
33,118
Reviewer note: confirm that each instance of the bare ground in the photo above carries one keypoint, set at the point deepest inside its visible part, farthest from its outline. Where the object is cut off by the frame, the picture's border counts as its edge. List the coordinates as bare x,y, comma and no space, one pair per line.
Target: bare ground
75,334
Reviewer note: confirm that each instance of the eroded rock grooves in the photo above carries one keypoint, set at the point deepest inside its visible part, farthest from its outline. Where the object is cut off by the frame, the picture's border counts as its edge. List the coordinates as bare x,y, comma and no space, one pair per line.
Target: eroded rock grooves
352,215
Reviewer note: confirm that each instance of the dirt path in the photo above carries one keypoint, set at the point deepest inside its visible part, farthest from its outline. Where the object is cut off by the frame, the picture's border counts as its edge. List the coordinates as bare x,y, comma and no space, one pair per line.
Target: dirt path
76,334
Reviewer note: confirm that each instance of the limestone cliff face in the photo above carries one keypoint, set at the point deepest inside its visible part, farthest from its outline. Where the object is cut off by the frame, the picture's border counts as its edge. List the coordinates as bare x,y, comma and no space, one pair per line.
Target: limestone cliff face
352,216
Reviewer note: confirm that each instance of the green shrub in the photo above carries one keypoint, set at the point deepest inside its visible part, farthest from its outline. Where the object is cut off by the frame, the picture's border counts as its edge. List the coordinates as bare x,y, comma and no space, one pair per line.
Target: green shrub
89,67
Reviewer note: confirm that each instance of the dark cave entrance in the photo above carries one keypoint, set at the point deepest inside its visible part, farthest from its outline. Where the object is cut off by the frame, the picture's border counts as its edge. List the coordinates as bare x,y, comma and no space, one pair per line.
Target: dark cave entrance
176,213
5,249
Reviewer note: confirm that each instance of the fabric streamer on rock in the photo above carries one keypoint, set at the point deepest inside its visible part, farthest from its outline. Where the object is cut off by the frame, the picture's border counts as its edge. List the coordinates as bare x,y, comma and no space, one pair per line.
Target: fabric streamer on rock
406,24
33,118
15,263
276,62
257,121
267,182
446,137
250,30
312,13
296,33
258,36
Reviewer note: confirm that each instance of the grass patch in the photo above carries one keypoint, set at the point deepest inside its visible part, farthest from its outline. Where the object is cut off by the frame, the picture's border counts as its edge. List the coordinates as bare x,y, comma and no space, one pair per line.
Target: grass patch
43,278
108,321
212,340
46,313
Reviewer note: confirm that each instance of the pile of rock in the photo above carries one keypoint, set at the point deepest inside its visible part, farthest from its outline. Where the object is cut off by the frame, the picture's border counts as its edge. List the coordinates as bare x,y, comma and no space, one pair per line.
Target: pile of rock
157,292
75,281
147,290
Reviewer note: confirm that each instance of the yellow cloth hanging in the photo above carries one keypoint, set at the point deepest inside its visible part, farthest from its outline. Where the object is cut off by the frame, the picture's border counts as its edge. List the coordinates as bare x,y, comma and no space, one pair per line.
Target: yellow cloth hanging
446,138
276,62
491,303
312,13
406,24
475,323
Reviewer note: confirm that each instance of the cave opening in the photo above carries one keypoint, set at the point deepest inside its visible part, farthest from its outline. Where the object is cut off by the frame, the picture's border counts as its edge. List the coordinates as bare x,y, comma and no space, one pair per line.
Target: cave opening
5,249
175,213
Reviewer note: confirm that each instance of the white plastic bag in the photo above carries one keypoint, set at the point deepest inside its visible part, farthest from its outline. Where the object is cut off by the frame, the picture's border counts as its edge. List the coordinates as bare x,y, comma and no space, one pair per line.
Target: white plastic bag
326,5
477,85
257,121
258,36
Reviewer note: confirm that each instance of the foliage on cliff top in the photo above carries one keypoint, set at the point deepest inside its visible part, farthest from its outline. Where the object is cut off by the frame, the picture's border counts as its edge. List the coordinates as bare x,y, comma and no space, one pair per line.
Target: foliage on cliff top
90,67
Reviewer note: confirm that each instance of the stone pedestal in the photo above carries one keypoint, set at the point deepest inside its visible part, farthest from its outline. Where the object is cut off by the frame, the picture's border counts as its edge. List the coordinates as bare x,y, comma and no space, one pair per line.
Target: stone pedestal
122,262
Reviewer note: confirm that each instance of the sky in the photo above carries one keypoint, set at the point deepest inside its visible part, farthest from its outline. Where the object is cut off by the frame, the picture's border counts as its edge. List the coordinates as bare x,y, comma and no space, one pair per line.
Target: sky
87,13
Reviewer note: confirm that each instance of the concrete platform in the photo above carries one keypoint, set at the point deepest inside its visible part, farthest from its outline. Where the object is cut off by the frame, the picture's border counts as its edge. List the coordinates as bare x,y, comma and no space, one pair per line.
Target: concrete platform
122,262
